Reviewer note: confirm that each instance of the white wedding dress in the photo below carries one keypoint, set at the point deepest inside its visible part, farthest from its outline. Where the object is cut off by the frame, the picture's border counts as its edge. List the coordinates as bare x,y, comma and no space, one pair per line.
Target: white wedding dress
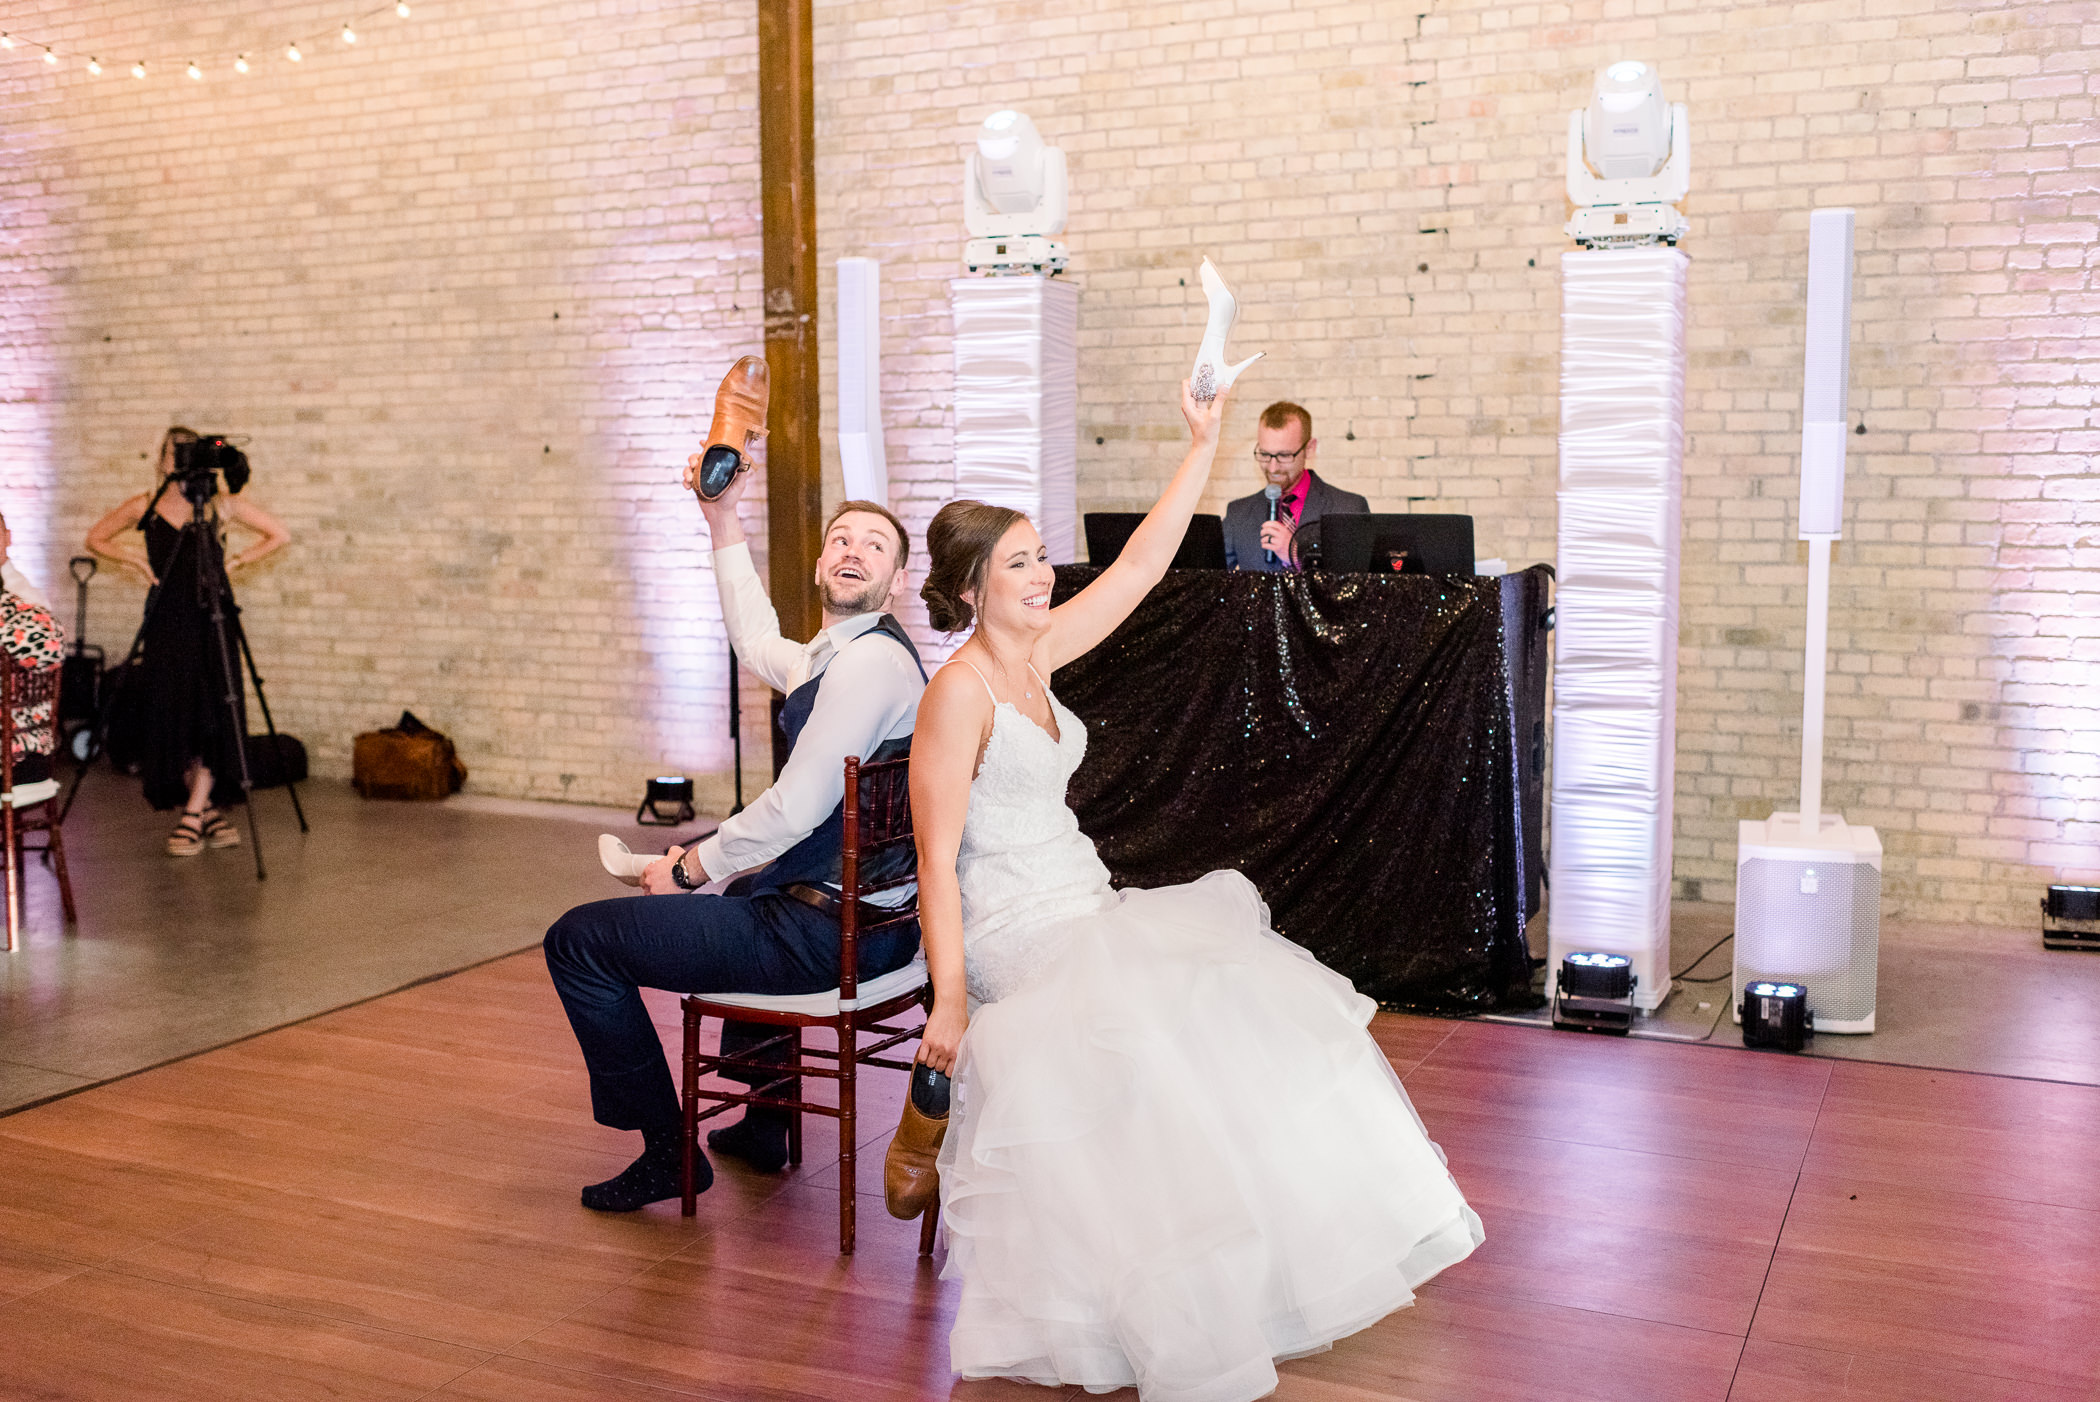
1176,1155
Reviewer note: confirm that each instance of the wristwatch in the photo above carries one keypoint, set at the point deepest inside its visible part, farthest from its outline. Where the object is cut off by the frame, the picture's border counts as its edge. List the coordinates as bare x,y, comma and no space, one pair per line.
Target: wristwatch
680,879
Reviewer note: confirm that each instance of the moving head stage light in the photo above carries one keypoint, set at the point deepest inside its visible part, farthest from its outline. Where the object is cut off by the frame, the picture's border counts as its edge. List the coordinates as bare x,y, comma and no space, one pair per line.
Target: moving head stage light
1629,161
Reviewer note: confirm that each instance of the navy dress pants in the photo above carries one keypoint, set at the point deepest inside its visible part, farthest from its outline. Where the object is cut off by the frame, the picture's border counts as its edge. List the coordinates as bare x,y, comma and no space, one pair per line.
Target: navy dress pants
603,954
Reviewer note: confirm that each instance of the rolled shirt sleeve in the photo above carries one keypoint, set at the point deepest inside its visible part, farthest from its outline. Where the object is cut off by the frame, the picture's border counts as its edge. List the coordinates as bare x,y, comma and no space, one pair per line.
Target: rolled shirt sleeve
870,693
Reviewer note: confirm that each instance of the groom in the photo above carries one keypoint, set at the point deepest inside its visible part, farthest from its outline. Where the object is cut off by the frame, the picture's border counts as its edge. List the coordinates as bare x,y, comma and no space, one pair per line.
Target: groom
853,690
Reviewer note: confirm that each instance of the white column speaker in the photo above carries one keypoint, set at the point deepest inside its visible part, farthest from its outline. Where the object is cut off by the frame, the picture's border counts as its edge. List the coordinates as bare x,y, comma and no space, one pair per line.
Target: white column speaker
863,460
1829,368
1808,884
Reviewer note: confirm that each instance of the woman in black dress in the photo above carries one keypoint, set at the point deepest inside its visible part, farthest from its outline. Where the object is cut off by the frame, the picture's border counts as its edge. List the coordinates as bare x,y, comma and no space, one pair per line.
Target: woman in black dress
188,734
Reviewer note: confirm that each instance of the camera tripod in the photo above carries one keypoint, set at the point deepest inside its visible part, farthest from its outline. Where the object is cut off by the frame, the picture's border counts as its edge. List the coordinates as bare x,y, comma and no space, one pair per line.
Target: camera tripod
215,596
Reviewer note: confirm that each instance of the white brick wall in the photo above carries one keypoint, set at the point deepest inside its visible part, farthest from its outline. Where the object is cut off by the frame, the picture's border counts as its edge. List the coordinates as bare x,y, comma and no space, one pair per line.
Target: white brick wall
358,263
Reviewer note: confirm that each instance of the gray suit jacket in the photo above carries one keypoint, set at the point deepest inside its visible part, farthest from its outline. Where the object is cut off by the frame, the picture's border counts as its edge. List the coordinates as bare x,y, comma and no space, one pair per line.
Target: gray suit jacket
1243,521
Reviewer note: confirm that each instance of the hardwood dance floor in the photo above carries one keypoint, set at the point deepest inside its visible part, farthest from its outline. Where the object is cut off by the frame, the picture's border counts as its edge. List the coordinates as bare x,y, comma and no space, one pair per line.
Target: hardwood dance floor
380,1204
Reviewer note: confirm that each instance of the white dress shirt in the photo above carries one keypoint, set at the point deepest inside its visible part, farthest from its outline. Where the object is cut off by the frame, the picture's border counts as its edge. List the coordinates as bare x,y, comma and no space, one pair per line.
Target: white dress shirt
870,694
18,584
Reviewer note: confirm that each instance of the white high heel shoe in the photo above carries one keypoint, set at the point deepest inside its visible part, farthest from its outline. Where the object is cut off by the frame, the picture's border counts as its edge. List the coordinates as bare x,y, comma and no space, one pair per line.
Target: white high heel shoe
622,861
1211,373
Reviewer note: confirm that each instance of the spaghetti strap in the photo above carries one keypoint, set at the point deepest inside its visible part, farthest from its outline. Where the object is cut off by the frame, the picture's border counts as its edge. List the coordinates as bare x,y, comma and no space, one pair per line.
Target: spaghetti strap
1037,675
980,676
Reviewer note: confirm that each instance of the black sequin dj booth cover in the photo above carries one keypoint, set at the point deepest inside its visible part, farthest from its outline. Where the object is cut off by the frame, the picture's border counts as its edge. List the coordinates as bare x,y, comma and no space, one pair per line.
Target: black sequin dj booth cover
1367,749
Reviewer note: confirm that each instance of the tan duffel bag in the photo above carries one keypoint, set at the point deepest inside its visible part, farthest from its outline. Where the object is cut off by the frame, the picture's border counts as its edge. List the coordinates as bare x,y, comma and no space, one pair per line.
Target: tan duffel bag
407,760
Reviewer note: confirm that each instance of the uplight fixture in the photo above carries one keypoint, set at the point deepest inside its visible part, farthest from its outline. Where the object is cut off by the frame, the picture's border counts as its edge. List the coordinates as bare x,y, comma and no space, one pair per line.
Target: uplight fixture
2071,917
1776,1015
667,801
1595,992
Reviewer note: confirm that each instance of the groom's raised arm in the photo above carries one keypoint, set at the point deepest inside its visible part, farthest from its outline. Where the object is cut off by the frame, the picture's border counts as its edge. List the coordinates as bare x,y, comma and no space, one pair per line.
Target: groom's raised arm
753,624
747,612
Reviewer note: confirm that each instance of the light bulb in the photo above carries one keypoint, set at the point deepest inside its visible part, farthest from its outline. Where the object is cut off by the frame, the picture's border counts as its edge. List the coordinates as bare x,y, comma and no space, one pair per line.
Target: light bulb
349,34
292,52
196,72
50,57
402,9
7,41
95,66
138,70
240,65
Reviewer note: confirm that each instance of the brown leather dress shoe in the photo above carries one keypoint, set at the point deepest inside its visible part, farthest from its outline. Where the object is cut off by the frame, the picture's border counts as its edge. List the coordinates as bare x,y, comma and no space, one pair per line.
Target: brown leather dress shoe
740,421
911,1182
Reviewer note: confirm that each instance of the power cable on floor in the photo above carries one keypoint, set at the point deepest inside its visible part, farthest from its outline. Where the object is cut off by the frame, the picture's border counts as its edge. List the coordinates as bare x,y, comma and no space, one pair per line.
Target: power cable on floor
1712,978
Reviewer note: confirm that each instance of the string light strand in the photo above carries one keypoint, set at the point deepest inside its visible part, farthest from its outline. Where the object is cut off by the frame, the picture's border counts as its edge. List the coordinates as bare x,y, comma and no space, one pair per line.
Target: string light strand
295,51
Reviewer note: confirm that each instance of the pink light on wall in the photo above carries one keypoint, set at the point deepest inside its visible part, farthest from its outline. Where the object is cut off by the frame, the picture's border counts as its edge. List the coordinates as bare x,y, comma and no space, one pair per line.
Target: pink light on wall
2047,578
687,312
30,316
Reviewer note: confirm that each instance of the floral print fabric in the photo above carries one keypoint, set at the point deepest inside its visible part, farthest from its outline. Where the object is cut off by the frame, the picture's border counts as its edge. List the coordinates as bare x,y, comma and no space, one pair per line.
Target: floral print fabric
35,642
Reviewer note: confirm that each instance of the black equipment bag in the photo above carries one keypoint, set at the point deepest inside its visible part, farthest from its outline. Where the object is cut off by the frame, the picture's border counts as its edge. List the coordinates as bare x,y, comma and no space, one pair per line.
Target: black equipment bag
124,726
80,686
272,766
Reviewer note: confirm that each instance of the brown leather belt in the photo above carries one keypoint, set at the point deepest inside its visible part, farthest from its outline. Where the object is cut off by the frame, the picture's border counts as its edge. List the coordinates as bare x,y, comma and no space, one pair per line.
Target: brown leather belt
819,899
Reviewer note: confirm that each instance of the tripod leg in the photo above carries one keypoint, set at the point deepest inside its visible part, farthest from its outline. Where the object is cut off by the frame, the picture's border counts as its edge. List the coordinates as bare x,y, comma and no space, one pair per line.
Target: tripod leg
236,723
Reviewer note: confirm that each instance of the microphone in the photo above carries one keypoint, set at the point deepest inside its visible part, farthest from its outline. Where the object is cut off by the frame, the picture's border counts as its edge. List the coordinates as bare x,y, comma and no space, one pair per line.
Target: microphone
1274,493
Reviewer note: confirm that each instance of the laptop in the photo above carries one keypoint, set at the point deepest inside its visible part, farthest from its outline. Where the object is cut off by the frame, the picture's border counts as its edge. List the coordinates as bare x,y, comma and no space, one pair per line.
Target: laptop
1202,545
1409,544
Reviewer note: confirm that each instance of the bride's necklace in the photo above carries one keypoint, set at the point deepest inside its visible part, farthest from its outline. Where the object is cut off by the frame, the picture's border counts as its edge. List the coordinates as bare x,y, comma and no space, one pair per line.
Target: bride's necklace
1006,675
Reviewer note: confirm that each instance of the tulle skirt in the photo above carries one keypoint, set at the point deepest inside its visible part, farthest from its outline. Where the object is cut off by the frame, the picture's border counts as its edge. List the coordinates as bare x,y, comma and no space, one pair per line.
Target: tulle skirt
1177,1156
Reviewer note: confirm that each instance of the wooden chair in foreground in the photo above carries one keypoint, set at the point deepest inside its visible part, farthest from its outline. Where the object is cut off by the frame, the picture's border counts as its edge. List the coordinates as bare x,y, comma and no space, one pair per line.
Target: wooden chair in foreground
878,856
28,703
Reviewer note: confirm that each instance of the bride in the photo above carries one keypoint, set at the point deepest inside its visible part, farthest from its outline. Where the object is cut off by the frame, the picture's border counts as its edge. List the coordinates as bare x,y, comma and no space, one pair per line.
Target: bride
1176,1154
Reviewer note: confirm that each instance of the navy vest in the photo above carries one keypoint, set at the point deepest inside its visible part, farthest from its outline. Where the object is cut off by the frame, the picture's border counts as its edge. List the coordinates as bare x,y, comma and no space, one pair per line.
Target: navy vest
815,859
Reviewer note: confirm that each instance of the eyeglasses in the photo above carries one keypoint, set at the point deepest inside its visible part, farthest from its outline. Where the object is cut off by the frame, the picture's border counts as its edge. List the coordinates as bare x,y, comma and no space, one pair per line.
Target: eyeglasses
1277,459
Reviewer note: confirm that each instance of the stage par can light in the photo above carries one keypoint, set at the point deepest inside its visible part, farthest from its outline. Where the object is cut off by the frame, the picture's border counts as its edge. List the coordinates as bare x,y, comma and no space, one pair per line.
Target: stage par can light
1776,1015
666,802
1594,992
2071,917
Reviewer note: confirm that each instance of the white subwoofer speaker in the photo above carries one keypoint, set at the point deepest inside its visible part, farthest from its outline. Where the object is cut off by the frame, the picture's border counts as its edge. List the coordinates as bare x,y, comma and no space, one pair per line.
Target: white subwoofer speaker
1808,884
1810,913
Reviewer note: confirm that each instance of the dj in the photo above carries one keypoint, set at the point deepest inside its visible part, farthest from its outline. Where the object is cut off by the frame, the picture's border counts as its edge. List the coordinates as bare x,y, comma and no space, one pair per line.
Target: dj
1259,537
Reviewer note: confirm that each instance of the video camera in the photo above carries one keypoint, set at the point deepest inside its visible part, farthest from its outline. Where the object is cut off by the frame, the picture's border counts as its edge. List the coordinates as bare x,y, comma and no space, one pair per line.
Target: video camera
198,465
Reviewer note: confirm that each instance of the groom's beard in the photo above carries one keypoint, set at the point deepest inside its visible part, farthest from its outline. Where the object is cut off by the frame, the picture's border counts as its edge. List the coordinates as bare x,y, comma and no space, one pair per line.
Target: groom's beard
843,596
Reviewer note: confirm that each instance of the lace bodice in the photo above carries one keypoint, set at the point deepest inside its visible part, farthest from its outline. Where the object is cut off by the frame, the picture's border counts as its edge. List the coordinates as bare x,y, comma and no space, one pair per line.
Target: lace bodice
1024,866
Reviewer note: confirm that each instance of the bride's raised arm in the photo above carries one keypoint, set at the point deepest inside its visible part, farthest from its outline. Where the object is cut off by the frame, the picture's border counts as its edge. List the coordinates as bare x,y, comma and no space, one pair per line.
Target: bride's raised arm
1083,621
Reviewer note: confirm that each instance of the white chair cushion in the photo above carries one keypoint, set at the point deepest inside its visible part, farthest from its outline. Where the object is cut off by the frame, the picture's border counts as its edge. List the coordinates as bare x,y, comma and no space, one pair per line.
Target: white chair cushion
27,795
871,992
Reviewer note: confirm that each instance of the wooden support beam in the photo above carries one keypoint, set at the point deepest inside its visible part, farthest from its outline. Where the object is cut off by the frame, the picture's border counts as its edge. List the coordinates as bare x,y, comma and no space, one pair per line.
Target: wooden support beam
788,209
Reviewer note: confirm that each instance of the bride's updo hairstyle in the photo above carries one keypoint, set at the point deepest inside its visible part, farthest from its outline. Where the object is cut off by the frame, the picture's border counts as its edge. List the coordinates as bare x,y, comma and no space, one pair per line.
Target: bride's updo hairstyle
960,543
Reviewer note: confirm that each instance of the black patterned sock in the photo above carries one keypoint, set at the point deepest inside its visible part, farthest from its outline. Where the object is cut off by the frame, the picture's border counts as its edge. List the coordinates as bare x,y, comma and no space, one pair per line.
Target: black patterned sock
651,1178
